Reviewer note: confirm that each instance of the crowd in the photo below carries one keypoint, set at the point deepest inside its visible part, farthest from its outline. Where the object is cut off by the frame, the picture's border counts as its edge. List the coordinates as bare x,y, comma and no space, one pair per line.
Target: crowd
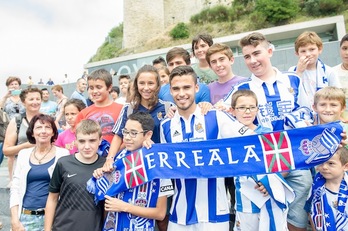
170,102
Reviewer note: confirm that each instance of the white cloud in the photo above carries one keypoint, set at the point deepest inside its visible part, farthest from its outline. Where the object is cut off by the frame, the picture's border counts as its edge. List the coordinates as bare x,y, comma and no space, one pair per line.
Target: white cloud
50,38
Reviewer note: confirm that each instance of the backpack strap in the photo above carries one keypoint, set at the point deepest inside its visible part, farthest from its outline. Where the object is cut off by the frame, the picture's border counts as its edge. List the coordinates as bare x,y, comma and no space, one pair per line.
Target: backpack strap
19,119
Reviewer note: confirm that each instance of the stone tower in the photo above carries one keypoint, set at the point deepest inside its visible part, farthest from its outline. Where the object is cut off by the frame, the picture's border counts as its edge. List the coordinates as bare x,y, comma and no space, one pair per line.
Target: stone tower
144,19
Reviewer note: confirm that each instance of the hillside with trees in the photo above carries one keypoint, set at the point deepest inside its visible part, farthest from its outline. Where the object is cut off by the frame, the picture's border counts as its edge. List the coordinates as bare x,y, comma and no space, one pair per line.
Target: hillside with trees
241,16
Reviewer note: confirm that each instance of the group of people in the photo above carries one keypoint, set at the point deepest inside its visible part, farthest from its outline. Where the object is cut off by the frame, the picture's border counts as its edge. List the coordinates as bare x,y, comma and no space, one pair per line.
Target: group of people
169,102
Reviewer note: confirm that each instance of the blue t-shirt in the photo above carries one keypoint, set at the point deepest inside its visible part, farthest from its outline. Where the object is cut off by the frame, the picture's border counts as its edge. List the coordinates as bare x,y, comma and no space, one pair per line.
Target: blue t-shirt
203,95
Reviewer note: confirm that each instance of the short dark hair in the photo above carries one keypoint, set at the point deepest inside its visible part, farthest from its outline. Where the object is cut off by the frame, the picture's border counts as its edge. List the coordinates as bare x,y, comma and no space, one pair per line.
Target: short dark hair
159,60
79,104
207,38
44,89
183,70
144,118
42,118
178,51
345,38
124,77
25,92
115,89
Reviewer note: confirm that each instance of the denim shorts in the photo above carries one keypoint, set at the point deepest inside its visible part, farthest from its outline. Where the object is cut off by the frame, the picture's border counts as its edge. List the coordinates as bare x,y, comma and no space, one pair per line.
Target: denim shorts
33,222
301,182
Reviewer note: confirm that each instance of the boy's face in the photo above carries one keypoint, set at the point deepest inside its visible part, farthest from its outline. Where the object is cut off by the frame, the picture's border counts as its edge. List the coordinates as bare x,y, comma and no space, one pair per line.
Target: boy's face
124,83
98,90
200,50
88,145
136,135
333,169
114,95
175,62
258,59
328,110
221,64
310,53
163,76
344,52
183,89
245,110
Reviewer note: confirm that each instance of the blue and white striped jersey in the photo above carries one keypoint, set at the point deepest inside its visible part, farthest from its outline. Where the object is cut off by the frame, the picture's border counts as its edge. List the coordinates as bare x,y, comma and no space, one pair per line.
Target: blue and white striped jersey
284,95
200,200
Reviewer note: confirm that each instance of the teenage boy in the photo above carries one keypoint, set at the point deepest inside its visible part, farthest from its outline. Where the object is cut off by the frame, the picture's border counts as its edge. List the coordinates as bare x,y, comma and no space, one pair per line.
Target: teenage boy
278,94
123,82
197,210
178,56
104,110
139,207
69,206
327,202
220,58
313,72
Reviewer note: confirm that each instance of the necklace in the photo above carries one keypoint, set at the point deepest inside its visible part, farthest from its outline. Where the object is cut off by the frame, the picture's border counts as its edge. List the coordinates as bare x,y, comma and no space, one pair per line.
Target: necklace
39,160
344,67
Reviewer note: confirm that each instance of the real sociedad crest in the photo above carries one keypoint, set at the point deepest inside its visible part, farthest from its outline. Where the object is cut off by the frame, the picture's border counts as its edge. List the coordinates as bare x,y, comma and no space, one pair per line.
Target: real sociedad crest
321,147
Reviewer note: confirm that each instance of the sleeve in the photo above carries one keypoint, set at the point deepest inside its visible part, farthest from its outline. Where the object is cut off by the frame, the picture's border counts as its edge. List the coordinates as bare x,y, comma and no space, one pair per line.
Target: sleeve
230,127
292,69
79,117
57,178
121,121
205,93
334,81
16,182
166,188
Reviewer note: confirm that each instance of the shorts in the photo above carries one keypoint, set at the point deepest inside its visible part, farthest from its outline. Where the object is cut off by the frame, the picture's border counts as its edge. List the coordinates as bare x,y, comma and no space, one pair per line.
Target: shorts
301,182
32,222
203,226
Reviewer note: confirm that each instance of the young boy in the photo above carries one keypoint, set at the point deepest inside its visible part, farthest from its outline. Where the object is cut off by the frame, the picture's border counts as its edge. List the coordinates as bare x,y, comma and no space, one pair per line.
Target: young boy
327,202
278,94
313,72
123,82
69,205
329,104
220,58
104,110
175,57
139,207
258,210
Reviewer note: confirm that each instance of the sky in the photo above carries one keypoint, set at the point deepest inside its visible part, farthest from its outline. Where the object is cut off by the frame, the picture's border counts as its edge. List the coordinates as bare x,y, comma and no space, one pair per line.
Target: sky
51,38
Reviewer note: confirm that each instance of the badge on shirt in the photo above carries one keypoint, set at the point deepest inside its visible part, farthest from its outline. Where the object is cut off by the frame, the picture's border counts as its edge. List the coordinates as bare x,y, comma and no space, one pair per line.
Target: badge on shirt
199,128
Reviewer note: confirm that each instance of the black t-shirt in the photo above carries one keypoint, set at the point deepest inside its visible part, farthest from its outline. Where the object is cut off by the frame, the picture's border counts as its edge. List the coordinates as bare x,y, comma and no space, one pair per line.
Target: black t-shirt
76,209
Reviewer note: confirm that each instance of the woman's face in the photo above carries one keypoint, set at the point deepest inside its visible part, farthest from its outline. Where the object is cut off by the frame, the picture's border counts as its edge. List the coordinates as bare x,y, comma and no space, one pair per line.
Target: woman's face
42,132
32,101
147,85
14,85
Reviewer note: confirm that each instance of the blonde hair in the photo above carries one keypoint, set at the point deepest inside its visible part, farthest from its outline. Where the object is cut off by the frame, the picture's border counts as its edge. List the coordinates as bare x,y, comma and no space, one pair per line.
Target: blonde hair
330,93
87,127
218,47
242,92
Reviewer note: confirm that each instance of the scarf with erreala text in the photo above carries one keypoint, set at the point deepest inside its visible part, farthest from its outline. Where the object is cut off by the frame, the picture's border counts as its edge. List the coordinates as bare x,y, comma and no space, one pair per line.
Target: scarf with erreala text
250,155
323,215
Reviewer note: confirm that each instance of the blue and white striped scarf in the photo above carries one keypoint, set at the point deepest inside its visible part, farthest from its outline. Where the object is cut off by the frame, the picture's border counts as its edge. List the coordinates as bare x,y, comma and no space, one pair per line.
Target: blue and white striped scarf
322,213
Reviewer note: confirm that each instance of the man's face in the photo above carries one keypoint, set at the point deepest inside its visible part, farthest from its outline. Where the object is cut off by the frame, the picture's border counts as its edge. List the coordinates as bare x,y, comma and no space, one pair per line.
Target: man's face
81,85
183,90
45,96
175,62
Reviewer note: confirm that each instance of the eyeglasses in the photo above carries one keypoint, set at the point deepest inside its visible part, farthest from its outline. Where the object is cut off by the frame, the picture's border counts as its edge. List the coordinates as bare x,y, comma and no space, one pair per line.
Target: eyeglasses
132,134
244,109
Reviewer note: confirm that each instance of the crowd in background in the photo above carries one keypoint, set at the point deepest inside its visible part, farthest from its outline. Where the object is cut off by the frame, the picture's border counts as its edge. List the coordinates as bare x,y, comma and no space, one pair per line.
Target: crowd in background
41,131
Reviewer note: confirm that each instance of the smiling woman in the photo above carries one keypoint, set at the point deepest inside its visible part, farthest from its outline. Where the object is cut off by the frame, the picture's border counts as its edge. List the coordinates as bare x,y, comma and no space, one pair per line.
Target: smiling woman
33,172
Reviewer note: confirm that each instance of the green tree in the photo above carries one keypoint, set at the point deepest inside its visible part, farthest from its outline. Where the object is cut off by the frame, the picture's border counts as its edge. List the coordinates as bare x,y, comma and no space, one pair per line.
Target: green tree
277,11
323,7
180,31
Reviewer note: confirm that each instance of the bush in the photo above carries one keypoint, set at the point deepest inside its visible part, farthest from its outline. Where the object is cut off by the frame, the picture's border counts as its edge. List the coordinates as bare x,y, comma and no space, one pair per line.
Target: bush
257,21
277,11
323,7
180,31
217,13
